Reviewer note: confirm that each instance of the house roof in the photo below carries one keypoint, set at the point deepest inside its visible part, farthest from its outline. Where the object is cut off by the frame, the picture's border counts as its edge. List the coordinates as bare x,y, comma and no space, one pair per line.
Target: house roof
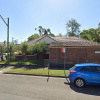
38,39
72,42
66,41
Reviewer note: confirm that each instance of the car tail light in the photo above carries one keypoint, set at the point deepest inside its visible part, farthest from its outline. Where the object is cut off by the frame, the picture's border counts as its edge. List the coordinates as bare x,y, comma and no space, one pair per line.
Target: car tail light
73,72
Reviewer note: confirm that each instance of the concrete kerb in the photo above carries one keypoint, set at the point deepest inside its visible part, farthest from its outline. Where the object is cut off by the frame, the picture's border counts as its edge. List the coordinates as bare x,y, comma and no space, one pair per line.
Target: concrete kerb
36,75
10,67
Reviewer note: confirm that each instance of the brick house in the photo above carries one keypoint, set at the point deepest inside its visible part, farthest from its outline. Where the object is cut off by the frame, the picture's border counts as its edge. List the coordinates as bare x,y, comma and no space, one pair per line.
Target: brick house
77,51
45,38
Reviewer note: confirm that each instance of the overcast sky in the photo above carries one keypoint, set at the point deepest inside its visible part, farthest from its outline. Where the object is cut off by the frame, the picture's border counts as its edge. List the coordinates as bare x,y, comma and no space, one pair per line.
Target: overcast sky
26,15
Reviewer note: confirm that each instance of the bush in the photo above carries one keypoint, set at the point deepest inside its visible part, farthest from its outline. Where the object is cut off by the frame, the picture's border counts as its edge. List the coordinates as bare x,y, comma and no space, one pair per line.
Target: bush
24,48
12,50
39,48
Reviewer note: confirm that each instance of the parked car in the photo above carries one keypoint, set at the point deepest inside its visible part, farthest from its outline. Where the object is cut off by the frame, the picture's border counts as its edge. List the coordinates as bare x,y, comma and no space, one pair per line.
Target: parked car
85,74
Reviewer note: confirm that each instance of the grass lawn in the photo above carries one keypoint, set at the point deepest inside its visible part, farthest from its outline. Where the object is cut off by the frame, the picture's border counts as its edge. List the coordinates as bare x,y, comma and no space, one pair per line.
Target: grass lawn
2,68
24,62
2,62
38,71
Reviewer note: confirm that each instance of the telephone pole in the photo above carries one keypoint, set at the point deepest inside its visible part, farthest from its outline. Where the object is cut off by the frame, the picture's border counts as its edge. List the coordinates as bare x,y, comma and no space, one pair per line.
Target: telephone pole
7,24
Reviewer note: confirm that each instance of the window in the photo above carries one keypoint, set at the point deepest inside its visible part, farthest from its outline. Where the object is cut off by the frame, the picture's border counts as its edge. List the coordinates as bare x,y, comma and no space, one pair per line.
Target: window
88,69
91,69
74,67
98,69
97,51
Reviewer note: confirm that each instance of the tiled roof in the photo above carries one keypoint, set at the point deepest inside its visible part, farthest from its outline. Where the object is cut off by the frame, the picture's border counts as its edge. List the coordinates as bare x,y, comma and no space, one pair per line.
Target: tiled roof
36,40
72,42
66,41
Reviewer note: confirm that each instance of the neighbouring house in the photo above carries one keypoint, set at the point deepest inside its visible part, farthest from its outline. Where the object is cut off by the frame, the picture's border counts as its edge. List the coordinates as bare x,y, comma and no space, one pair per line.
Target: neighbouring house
77,50
45,38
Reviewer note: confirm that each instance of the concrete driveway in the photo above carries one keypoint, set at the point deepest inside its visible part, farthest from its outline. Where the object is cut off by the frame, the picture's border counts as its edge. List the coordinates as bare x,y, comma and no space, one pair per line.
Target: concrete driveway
19,87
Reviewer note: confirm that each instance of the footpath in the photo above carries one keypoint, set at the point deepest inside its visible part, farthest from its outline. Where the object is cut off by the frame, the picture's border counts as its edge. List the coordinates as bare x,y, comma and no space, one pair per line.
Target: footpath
6,69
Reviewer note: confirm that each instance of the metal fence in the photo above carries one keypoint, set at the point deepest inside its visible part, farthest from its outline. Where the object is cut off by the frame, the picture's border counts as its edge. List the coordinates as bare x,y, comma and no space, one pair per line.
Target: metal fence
57,64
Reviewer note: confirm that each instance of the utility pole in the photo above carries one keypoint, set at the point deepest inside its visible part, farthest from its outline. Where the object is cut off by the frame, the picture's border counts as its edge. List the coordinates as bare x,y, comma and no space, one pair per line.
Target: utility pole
7,24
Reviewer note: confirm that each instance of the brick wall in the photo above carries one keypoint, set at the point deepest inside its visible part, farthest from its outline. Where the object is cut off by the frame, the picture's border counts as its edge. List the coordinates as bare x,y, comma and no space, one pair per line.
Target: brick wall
74,55
32,57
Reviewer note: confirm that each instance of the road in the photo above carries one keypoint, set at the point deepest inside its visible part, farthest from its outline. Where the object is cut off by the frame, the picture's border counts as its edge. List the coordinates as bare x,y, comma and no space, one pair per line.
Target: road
20,87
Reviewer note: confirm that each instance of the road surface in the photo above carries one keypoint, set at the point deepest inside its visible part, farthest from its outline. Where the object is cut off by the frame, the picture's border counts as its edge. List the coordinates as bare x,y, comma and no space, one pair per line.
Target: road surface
20,87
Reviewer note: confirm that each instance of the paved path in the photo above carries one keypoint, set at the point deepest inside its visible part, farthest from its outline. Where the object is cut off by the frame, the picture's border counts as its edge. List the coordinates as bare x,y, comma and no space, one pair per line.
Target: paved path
6,69
16,87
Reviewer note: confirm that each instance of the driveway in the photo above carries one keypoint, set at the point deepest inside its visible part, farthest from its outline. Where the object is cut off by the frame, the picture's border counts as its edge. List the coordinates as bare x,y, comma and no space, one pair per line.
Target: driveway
16,87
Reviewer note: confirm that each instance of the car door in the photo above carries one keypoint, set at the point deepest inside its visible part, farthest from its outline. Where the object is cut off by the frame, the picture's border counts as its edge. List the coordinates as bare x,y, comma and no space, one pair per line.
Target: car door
90,75
96,75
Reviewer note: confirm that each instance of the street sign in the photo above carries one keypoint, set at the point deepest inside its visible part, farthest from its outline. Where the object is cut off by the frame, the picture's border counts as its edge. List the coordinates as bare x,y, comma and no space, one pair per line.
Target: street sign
63,50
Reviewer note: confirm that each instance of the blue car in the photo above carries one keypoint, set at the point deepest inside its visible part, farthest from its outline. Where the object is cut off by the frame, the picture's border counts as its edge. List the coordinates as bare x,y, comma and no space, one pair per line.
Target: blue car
85,74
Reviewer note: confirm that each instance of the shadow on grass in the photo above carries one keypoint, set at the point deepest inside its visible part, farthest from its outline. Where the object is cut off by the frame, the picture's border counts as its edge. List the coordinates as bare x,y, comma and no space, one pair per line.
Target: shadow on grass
30,66
30,62
89,89
3,66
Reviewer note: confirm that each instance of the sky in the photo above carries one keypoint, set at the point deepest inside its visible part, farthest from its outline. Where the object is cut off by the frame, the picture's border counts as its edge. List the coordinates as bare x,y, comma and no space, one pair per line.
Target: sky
26,15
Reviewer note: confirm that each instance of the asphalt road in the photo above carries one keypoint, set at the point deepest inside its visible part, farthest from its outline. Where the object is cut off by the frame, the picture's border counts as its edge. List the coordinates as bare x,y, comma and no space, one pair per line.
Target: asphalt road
16,87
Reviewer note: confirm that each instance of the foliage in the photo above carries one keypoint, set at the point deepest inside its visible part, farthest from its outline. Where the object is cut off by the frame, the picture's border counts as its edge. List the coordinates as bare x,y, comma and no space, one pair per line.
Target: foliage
51,34
43,31
12,49
2,48
91,34
60,35
32,37
40,29
29,49
24,48
72,27
39,48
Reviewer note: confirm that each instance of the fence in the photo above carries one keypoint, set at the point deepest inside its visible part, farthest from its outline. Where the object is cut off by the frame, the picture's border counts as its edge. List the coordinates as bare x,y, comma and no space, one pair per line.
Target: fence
31,57
57,64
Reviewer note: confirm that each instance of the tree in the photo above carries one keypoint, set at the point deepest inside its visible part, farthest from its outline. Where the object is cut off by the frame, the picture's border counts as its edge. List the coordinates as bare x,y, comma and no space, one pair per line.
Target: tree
72,27
24,48
2,48
40,47
40,29
13,49
43,31
99,26
91,34
32,37
51,34
60,35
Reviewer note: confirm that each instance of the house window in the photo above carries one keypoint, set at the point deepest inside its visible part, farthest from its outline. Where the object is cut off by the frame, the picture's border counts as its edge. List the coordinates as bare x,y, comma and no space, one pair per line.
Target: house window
97,51
48,48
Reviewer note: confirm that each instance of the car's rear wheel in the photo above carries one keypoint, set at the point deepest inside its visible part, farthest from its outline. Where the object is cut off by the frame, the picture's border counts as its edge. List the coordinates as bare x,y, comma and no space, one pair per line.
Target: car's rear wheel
79,82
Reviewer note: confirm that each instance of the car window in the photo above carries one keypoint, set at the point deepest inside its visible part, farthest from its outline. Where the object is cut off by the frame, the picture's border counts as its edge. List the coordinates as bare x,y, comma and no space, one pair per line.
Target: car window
98,69
74,67
91,69
88,69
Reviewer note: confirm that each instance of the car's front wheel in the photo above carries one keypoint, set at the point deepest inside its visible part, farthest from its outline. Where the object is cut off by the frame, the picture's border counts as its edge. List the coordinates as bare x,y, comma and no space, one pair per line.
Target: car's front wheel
79,82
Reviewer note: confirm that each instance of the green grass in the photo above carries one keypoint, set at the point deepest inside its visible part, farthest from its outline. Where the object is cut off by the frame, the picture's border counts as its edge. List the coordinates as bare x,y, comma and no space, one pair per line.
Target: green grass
2,62
24,62
2,68
39,71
